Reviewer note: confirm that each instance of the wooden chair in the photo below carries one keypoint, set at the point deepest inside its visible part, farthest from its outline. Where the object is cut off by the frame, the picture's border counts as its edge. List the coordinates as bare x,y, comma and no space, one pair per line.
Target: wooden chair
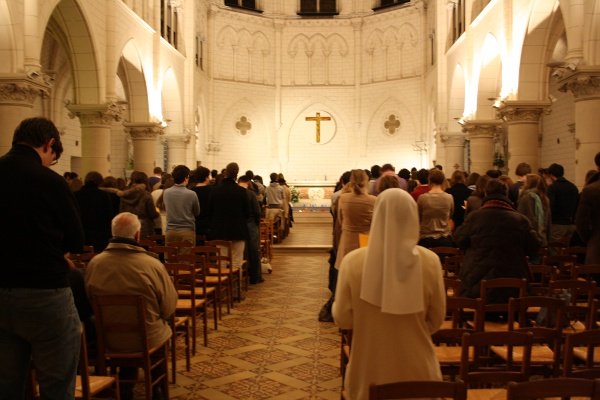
123,317
554,388
517,285
564,263
540,277
180,326
234,273
266,239
448,339
445,251
453,287
203,291
547,333
589,272
451,265
218,278
418,390
183,276
165,253
157,239
345,345
485,375
579,298
578,251
583,346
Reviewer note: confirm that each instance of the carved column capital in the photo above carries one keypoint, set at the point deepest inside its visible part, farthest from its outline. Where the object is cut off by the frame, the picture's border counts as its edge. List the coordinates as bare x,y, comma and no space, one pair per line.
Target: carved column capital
143,130
515,111
584,83
177,140
21,91
481,128
96,114
453,139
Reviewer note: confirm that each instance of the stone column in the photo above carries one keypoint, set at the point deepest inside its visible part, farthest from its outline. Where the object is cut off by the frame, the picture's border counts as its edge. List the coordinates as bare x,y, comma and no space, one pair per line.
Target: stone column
143,136
481,135
522,122
584,83
176,150
454,148
95,120
17,96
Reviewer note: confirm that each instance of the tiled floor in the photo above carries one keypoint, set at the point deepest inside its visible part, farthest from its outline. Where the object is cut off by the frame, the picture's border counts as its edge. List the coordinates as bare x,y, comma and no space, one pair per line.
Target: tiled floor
271,346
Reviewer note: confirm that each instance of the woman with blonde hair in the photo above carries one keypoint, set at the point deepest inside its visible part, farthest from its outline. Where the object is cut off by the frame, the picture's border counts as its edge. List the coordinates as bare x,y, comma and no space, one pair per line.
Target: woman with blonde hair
535,205
355,210
391,294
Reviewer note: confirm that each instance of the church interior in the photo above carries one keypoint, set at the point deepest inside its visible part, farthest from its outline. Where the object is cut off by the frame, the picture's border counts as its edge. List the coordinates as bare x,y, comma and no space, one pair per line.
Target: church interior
309,89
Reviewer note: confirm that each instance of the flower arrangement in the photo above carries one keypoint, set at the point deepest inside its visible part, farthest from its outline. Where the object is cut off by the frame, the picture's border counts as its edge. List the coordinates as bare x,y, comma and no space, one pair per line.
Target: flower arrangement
498,160
295,194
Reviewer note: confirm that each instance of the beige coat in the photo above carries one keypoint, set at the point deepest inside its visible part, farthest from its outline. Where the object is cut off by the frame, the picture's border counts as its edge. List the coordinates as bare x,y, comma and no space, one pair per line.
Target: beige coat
127,269
388,347
354,214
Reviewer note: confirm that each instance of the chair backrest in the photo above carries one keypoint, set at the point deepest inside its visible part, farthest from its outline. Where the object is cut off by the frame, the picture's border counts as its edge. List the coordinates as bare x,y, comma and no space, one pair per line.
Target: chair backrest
519,316
418,390
460,308
212,256
83,366
564,263
517,285
585,343
226,250
451,264
590,272
120,325
453,286
165,253
554,388
540,277
578,251
481,370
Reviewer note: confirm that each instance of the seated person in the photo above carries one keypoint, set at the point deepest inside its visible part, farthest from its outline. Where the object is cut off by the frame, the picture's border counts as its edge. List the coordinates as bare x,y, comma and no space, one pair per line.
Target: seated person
125,268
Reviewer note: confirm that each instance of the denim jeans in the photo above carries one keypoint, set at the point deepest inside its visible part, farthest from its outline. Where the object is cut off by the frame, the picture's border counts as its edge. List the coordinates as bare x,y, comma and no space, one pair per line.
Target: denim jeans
39,326
253,253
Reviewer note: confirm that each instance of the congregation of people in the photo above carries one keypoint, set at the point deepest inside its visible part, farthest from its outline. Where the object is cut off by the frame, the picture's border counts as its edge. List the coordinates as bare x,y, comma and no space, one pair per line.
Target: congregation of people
384,279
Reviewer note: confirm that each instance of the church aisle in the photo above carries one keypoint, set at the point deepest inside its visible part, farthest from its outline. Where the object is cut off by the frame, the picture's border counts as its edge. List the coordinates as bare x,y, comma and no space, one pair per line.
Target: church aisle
271,346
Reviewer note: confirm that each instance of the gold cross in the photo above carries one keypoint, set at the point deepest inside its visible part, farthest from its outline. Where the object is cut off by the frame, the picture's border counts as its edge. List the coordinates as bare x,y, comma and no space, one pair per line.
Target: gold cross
318,119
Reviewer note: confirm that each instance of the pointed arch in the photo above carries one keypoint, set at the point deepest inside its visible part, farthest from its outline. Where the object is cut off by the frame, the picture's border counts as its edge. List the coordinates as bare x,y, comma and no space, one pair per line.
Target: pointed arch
130,72
490,77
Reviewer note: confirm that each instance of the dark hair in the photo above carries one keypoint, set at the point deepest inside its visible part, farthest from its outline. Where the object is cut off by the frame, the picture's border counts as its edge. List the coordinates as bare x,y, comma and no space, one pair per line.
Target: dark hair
157,170
493,173
109,182
201,173
472,178
249,174
387,167
368,172
404,174
93,178
179,173
438,166
258,178
244,179
495,186
231,170
346,177
36,132
436,177
481,184
556,170
523,169
423,176
387,182
139,177
457,177
214,173
597,159
375,171
273,176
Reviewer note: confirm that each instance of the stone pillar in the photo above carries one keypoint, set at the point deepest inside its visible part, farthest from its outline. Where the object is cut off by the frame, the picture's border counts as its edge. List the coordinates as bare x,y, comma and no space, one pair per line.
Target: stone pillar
143,136
95,120
481,135
584,83
176,150
17,96
454,148
522,120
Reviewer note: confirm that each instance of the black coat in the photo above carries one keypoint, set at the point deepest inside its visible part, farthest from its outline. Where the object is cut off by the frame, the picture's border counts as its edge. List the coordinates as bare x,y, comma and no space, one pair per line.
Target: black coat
96,210
496,240
229,207
460,193
588,220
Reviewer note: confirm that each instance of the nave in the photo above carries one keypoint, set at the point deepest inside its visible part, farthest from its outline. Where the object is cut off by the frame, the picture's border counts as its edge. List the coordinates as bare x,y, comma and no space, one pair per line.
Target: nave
272,346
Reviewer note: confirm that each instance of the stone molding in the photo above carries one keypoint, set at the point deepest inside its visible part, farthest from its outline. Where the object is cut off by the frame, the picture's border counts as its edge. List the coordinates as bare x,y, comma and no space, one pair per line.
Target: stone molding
515,111
174,140
584,83
143,130
453,140
481,128
21,91
96,114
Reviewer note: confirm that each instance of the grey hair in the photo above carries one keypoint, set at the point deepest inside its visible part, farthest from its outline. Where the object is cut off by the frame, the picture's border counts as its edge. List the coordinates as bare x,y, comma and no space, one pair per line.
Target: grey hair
126,225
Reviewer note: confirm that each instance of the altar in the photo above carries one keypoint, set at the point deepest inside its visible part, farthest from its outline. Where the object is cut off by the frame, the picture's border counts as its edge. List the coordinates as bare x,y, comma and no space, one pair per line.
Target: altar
311,195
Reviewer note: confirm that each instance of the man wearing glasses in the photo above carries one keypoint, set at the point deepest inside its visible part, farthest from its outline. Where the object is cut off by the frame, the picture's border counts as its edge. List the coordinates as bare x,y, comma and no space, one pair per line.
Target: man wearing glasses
39,227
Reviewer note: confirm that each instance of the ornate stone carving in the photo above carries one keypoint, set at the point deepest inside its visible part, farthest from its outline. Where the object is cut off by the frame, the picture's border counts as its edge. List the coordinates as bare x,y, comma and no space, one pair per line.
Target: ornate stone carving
583,83
143,130
213,146
480,128
453,140
522,111
96,114
21,91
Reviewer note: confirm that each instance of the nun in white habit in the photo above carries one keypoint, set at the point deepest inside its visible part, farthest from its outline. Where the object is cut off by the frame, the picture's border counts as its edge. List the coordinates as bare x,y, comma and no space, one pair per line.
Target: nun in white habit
391,294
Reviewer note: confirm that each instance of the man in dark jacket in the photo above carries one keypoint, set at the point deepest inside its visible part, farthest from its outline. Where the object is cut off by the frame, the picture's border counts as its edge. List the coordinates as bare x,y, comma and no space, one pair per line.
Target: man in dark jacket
40,226
96,210
564,197
588,216
229,207
496,240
